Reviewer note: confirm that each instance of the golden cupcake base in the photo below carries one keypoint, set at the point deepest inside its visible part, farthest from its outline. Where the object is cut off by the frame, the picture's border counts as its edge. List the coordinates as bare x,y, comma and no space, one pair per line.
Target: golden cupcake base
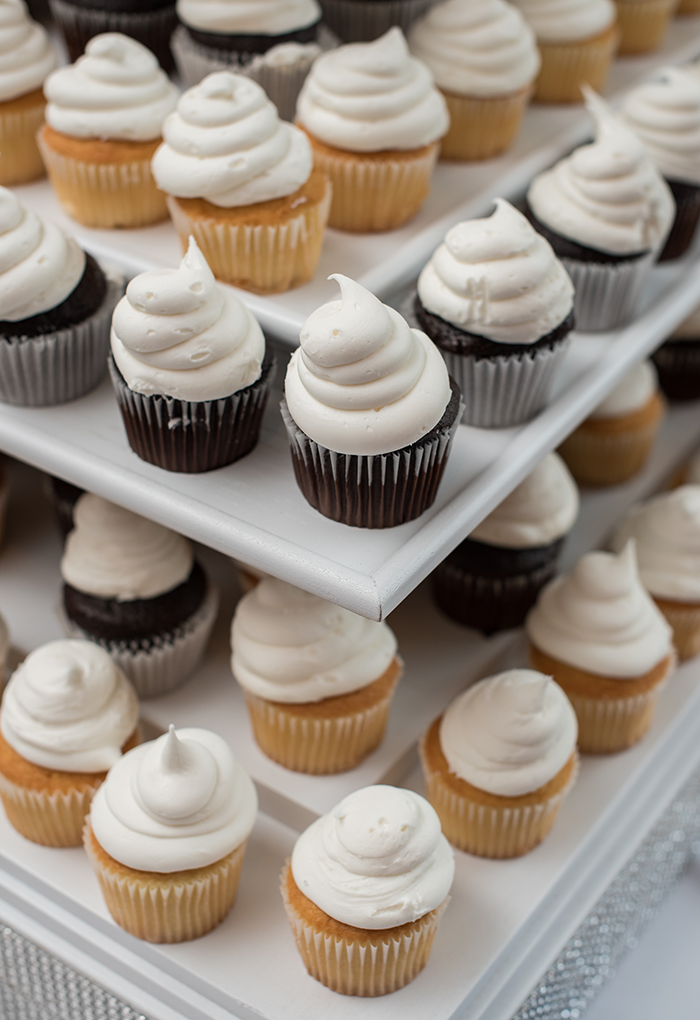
481,128
20,119
642,24
568,66
684,618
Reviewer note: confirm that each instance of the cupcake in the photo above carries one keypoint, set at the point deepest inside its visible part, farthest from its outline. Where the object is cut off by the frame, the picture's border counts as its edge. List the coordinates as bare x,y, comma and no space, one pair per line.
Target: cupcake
189,368
370,412
614,442
365,890
103,124
273,43
494,576
167,834
642,24
606,211
597,632
577,41
666,530
55,309
150,22
678,360
68,713
242,183
318,680
374,120
498,304
135,588
484,59
665,114
500,761
26,57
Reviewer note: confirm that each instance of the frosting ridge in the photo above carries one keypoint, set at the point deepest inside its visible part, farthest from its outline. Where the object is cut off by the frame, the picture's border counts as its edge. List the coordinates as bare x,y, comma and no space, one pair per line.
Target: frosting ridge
26,53
258,17
567,20
665,115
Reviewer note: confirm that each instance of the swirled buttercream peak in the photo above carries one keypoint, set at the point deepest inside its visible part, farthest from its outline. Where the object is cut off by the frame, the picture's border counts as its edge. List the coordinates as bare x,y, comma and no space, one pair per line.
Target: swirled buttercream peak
243,17
26,54
665,114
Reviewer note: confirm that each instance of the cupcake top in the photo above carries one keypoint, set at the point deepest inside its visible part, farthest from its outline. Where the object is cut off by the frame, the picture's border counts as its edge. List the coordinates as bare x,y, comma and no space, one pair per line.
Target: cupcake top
599,618
116,90
509,734
497,278
561,21
689,329
476,47
606,195
180,333
537,512
179,802
114,554
377,860
39,265
240,17
634,392
291,646
26,54
368,97
666,530
69,707
362,381
225,143
665,114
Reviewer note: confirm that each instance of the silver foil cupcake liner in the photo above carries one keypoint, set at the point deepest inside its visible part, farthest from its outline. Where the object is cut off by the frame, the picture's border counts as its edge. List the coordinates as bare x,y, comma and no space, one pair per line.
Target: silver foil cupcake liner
57,367
365,20
79,24
607,293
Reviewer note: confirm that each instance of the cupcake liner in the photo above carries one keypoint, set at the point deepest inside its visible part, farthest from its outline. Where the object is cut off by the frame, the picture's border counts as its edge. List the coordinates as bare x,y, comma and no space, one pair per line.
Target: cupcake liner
378,491
20,159
166,908
606,294
193,436
365,20
642,24
678,367
566,66
687,199
51,369
613,724
684,618
482,127
158,664
266,258
52,819
78,24
363,962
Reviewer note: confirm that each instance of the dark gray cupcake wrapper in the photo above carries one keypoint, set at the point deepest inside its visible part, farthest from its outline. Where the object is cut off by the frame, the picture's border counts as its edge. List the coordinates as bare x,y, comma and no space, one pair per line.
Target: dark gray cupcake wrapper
678,367
57,367
79,24
365,20
606,294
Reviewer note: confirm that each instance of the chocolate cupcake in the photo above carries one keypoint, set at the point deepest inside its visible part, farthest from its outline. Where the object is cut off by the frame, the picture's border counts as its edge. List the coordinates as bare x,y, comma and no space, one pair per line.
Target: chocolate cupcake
678,360
150,22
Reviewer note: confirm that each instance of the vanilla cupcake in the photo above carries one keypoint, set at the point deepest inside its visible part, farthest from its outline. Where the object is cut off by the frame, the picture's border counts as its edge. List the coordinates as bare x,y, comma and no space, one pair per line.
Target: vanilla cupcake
666,530
26,57
318,679
607,212
167,834
498,303
370,412
500,761
484,59
68,713
642,24
189,368
614,442
103,124
678,360
374,119
365,890
233,171
577,40
597,632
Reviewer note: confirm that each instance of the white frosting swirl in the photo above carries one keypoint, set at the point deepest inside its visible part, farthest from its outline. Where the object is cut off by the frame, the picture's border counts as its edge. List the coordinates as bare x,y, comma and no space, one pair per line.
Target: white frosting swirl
666,530
26,54
362,381
476,47
509,734
368,97
39,265
226,143
69,707
497,278
600,619
114,554
537,512
294,647
377,860
179,333
179,802
567,20
631,394
241,17
665,114
116,90
607,195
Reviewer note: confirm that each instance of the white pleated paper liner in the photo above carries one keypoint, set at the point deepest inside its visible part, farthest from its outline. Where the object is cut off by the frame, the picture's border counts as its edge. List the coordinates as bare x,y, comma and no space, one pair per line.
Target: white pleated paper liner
607,293
79,23
365,20
57,367
160,663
